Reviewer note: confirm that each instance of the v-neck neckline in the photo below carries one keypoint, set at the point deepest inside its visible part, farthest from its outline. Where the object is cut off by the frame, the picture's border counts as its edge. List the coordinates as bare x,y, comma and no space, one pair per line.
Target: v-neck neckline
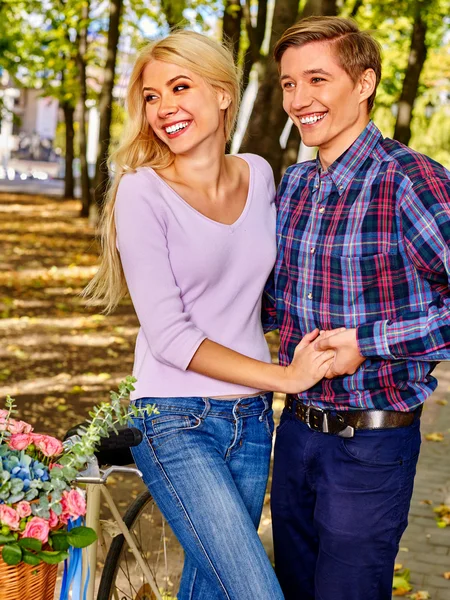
244,212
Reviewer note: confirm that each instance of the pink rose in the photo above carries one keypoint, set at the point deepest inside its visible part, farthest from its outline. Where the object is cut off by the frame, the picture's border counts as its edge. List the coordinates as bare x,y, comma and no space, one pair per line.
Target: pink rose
64,518
19,427
3,413
48,445
37,528
23,509
53,520
20,441
9,517
73,503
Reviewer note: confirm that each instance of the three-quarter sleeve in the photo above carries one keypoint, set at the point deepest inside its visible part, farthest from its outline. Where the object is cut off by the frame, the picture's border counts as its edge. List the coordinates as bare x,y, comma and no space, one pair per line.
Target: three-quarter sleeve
142,243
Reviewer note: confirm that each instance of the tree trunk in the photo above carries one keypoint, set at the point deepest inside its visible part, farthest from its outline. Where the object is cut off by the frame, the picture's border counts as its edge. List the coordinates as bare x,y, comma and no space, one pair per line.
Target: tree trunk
105,103
81,62
268,118
231,28
416,60
256,38
320,7
358,4
68,111
312,7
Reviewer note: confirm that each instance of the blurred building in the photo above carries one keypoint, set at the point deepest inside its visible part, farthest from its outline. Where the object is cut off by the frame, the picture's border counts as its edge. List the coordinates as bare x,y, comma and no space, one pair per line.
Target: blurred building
28,123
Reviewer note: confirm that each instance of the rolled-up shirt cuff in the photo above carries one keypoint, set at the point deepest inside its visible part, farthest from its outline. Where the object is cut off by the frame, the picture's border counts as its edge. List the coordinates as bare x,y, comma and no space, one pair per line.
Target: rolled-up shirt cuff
372,340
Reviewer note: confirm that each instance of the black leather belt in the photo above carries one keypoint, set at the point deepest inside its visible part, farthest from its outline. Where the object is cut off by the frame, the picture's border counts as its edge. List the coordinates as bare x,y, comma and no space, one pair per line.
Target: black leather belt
344,423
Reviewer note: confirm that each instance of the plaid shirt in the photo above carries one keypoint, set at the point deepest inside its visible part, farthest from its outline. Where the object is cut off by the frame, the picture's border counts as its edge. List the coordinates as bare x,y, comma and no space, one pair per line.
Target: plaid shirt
365,244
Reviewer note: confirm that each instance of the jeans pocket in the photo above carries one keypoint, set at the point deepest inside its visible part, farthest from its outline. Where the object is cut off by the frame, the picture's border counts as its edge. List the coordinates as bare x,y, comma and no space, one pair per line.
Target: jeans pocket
384,447
163,427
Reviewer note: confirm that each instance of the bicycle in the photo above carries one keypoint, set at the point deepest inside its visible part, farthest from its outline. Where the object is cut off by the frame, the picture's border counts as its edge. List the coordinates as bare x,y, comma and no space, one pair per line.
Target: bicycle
139,564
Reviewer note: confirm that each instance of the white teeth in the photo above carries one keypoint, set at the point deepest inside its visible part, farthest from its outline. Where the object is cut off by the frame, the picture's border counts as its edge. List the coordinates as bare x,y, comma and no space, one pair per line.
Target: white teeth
176,127
313,119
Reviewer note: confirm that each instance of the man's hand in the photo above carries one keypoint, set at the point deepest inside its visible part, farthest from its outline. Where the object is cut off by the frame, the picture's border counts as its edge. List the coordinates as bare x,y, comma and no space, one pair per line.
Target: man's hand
347,357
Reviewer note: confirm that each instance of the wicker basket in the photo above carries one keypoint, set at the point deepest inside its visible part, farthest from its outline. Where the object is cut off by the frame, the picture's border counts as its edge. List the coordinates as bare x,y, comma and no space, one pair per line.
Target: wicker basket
25,582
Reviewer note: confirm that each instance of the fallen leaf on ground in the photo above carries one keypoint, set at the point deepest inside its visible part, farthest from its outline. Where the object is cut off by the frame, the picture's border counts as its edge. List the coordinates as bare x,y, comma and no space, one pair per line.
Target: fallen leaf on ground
442,515
420,595
434,437
442,402
446,575
426,502
400,584
398,567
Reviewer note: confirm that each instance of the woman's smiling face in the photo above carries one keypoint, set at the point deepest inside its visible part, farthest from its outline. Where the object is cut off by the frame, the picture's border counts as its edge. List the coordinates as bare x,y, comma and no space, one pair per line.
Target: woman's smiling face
181,108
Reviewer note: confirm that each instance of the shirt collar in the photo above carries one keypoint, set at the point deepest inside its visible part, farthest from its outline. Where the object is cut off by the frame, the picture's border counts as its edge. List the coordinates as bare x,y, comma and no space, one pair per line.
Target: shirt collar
345,168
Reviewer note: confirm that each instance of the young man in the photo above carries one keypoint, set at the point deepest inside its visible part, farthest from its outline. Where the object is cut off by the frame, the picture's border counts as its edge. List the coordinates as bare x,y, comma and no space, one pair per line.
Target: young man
363,243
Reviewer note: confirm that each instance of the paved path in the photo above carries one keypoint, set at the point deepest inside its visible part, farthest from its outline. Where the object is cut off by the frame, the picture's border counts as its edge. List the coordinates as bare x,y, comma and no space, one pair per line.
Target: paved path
425,549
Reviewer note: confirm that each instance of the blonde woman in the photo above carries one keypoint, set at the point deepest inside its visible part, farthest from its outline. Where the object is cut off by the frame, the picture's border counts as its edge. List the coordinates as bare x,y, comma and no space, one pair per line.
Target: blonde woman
191,233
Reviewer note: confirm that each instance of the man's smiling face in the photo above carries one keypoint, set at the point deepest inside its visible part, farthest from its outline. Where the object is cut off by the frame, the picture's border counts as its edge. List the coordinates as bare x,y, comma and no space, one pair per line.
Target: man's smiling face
329,109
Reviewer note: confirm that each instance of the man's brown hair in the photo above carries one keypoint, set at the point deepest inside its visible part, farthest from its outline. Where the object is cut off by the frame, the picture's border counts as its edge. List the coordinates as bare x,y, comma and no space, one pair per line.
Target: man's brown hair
355,50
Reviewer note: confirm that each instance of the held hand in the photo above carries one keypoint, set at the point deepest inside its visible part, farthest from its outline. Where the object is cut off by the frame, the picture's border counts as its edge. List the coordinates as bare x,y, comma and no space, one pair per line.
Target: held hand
308,365
347,356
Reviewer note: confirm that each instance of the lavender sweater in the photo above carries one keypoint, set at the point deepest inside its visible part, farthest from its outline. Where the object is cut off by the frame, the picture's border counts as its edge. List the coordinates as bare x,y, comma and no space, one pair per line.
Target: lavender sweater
192,278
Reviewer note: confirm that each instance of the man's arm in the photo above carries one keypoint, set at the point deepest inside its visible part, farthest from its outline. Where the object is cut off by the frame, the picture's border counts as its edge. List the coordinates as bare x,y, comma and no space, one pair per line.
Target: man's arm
425,334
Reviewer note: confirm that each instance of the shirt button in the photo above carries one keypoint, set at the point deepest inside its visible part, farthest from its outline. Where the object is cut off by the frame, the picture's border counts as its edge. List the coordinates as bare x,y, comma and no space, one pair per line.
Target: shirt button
312,250
310,296
322,209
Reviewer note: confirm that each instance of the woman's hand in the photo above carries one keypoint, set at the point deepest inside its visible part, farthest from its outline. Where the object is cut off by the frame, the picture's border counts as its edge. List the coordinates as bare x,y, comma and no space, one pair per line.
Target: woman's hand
308,365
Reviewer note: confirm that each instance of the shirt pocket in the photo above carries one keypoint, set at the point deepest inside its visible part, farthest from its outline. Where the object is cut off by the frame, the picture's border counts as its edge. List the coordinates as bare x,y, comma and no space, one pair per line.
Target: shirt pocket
365,288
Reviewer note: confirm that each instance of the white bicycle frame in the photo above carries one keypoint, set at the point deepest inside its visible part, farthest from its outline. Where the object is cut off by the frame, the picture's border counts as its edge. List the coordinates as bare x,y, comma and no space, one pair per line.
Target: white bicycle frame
95,489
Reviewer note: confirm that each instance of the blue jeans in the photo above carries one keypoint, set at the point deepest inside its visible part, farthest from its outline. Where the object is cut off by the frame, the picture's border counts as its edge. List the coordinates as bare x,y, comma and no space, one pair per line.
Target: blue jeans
339,508
206,463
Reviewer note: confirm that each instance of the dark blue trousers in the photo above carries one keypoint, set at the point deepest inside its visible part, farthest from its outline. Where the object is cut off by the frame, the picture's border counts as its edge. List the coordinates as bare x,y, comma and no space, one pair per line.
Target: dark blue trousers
339,508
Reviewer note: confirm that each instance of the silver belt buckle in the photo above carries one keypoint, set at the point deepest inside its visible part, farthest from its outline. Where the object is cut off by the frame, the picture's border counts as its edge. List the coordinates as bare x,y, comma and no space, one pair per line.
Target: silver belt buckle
324,419
347,432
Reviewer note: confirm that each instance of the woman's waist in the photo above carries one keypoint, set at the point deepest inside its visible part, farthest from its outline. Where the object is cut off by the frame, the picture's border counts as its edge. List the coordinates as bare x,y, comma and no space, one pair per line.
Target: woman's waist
202,405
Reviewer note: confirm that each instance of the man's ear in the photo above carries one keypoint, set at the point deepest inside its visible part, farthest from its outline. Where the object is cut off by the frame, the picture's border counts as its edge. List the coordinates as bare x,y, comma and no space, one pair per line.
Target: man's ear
367,82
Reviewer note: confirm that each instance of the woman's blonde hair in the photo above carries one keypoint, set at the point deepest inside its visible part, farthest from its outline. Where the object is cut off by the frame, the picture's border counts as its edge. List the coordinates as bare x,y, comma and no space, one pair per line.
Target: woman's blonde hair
141,147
